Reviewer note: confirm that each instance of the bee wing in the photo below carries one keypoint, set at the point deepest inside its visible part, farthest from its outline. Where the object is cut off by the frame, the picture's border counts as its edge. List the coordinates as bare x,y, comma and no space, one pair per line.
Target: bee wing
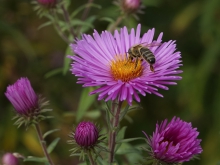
151,44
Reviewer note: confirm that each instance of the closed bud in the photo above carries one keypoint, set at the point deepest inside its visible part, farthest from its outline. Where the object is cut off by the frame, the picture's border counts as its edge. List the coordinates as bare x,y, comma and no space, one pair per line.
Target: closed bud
9,159
22,97
86,134
86,138
27,104
131,6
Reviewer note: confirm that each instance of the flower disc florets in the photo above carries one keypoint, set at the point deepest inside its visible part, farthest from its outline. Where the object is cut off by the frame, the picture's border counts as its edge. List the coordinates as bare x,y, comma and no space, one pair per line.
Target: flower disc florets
174,142
102,60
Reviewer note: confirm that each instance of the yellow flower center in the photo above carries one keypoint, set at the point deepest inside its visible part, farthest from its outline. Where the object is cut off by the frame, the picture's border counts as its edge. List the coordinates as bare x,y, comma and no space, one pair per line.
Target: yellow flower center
124,69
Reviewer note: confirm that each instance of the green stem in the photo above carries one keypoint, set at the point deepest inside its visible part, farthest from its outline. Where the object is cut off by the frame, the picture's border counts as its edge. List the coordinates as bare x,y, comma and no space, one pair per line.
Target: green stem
58,28
43,144
117,22
67,19
113,132
91,158
84,15
155,162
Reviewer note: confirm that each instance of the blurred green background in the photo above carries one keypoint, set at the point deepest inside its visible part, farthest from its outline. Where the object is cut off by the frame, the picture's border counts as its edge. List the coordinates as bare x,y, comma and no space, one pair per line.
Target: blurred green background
26,51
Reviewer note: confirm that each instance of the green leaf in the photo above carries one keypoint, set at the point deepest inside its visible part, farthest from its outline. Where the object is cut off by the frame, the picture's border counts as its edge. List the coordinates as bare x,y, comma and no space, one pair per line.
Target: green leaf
121,133
50,132
52,145
119,137
67,61
130,139
89,20
102,161
110,20
53,72
45,24
35,159
93,114
76,22
108,118
84,103
83,7
127,149
124,112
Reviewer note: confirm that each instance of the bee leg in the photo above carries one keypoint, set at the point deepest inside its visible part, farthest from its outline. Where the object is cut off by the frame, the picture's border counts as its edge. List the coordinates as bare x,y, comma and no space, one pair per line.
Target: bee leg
152,68
136,62
129,59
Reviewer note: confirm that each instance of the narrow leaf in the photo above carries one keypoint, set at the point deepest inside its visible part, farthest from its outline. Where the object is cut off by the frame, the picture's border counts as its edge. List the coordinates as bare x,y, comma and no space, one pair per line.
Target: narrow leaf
50,132
130,139
84,103
67,61
45,24
110,20
83,7
121,133
53,72
52,145
35,159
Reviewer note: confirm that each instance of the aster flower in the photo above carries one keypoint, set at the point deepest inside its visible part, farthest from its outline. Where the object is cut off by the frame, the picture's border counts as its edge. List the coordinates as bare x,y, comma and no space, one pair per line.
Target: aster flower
174,142
102,61
86,138
26,103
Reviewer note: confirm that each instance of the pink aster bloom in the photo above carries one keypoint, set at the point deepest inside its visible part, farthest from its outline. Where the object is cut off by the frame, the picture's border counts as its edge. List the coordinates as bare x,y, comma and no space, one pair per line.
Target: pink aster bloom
86,134
174,142
102,61
22,97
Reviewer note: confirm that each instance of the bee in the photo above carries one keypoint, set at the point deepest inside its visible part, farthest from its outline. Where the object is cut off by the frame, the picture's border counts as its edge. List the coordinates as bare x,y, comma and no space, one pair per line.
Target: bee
143,52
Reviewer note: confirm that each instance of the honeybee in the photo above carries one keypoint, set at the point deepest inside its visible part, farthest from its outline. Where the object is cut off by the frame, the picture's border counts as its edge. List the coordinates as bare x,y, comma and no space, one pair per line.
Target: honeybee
143,52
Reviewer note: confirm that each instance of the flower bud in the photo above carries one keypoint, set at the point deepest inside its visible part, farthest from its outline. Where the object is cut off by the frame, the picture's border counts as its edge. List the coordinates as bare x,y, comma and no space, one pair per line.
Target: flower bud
86,134
9,159
26,103
48,3
131,6
22,97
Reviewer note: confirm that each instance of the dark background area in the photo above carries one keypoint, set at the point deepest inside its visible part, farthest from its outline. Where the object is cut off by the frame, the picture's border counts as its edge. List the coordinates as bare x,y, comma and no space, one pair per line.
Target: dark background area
26,51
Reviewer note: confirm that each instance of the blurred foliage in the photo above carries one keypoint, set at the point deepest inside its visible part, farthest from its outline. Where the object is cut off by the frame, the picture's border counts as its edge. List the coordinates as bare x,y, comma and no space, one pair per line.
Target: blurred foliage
28,51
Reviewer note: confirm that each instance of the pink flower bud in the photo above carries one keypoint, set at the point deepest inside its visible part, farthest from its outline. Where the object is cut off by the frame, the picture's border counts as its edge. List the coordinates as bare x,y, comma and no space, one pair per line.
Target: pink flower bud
22,97
131,6
9,159
86,134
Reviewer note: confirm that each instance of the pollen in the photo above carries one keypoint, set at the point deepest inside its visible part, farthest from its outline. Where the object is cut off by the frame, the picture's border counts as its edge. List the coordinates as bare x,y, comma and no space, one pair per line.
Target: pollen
124,69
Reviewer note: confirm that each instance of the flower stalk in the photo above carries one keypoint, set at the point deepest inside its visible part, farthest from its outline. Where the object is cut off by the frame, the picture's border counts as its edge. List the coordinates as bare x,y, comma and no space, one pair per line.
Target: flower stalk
43,144
90,158
67,19
113,132
116,23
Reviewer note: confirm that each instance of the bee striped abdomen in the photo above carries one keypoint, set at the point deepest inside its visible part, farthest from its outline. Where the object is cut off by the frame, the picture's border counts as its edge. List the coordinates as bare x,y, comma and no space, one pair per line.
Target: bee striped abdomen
148,55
